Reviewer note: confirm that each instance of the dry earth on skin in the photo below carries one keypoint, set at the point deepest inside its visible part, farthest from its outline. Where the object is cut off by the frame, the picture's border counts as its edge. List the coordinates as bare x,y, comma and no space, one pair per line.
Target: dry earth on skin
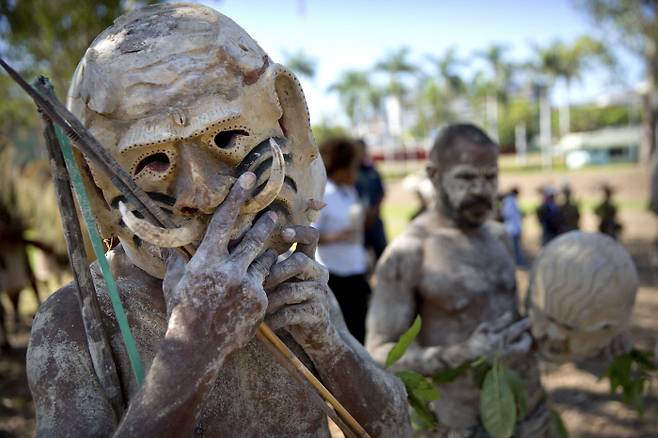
583,400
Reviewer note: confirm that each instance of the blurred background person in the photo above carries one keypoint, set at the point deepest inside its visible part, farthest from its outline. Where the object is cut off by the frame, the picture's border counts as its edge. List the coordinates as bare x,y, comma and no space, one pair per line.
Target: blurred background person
606,211
569,211
513,219
548,215
341,226
371,191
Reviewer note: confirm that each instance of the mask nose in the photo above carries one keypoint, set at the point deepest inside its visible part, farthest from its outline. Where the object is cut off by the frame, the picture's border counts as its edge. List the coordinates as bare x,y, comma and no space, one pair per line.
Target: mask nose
202,182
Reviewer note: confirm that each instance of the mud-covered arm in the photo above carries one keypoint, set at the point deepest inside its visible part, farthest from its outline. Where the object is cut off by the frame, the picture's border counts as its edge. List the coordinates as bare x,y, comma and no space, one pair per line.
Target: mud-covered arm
68,399
301,302
374,396
393,309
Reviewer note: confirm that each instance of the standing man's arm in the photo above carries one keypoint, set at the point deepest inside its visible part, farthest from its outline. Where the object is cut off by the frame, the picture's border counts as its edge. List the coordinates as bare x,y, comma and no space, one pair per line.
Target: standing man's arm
393,309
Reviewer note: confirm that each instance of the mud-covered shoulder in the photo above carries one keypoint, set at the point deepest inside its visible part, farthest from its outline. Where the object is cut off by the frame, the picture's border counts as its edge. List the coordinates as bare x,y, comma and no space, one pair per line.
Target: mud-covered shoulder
497,230
403,258
66,393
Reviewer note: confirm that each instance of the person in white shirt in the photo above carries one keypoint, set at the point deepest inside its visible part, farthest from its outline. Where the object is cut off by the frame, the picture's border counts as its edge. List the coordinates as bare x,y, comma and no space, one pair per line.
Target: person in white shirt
513,220
341,226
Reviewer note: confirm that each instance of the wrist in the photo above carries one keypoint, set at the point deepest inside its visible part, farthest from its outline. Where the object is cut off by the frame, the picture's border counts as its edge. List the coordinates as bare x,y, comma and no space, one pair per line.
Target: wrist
323,345
188,333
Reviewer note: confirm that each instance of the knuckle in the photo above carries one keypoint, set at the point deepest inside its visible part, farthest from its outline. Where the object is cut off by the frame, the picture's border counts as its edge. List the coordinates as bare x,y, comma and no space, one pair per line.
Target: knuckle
250,245
298,258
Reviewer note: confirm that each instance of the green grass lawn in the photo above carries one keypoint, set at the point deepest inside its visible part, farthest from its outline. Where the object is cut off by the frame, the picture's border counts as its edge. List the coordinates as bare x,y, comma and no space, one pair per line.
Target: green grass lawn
397,170
396,215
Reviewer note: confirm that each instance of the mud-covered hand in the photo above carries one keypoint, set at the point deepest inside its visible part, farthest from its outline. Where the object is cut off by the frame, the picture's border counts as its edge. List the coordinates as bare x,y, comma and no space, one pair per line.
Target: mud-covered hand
503,336
297,292
218,296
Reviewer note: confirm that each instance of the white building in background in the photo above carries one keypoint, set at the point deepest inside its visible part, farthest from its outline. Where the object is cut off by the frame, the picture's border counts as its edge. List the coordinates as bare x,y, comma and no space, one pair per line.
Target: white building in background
609,145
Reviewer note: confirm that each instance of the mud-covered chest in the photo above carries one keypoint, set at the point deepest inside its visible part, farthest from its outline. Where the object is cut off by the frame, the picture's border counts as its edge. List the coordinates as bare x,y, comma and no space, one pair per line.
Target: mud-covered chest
458,271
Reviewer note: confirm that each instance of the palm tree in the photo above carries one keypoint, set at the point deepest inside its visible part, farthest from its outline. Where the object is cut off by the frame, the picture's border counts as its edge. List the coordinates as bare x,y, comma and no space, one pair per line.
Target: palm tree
355,94
446,65
499,85
436,93
300,63
567,63
579,57
397,65
545,69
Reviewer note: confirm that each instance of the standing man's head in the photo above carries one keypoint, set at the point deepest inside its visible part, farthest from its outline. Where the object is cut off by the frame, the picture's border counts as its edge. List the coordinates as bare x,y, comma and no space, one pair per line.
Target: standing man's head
341,157
566,192
463,167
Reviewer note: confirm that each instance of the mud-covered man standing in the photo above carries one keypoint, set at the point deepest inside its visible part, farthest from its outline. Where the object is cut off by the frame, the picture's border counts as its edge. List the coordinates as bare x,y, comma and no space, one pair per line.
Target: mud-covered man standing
456,270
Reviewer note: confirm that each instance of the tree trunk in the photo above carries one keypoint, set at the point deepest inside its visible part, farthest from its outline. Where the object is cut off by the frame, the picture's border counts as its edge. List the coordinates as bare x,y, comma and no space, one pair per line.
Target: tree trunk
649,121
492,116
545,128
565,112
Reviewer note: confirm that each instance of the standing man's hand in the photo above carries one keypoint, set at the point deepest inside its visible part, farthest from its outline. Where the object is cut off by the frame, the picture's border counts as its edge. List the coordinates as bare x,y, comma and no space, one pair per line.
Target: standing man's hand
503,336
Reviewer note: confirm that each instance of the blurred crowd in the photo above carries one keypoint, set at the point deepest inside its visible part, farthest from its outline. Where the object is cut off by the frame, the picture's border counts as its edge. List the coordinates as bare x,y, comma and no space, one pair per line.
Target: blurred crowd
558,213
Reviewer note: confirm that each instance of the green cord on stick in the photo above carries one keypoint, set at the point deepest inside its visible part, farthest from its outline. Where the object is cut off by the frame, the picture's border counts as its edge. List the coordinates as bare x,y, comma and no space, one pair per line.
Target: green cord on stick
90,221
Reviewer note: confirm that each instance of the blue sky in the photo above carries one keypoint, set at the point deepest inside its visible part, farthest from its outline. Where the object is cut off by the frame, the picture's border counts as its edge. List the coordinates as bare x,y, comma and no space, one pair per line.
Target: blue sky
343,35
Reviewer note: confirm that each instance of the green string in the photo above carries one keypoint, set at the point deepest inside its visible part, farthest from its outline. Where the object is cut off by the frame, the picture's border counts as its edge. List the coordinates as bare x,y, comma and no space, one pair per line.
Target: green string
90,221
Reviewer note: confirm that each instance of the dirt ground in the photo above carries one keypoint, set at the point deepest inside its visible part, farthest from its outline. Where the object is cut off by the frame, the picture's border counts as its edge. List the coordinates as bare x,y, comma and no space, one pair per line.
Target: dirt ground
583,400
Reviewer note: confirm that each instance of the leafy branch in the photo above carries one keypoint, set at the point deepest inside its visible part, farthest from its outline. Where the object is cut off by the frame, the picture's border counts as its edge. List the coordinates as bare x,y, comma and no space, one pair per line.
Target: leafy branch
503,395
630,373
420,391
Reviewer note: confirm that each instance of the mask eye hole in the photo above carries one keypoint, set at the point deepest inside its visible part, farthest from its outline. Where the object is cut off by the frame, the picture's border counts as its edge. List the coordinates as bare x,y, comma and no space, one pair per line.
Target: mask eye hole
226,139
157,163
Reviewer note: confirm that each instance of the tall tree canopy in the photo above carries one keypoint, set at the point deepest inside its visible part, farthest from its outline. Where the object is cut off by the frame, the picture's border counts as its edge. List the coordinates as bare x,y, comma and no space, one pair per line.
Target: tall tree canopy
635,23
43,37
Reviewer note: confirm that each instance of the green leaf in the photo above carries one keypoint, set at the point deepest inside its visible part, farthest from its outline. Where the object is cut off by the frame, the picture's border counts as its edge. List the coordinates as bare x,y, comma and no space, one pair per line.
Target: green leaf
643,358
418,385
518,389
422,413
558,429
479,370
630,373
405,340
497,407
450,374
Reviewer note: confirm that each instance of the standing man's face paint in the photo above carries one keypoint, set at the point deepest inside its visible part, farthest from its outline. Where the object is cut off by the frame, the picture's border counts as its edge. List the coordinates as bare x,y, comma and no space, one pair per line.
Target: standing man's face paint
467,184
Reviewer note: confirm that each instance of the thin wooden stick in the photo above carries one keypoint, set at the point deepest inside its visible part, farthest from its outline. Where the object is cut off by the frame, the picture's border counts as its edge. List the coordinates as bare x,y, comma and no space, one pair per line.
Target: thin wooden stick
315,396
99,346
264,332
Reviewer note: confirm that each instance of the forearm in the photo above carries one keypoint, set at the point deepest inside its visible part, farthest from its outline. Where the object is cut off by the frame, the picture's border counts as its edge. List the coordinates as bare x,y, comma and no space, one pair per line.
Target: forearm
176,386
425,360
373,396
